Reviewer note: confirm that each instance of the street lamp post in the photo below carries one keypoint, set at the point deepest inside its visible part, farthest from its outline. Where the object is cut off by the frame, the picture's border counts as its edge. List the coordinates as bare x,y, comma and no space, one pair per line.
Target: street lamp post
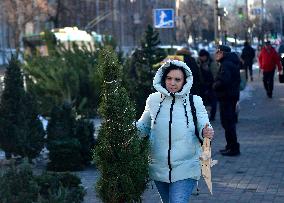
281,22
262,22
216,22
247,20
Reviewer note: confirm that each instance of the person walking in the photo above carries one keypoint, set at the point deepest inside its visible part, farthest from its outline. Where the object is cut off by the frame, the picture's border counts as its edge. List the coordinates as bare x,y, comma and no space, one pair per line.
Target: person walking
268,60
167,120
227,88
191,62
247,56
207,71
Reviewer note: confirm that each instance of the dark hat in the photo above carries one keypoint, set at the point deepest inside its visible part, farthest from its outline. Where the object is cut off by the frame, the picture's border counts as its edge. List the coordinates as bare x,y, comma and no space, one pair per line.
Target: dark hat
203,52
224,48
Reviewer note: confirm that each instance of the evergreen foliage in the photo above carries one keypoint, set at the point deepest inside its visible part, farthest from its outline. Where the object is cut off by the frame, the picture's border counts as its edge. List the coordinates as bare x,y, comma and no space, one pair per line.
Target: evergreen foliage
85,134
12,108
121,157
68,74
151,54
70,142
139,70
64,148
60,188
19,185
21,132
33,141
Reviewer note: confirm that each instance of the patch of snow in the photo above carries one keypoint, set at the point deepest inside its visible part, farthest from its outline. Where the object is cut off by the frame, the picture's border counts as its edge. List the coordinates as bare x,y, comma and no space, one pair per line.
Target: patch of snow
246,93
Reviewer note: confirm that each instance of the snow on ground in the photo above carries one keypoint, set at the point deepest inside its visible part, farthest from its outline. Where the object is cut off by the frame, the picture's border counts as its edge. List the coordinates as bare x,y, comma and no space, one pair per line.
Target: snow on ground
246,93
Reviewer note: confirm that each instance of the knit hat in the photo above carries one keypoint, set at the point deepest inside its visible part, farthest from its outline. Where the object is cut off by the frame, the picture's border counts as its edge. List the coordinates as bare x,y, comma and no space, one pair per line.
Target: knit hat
224,48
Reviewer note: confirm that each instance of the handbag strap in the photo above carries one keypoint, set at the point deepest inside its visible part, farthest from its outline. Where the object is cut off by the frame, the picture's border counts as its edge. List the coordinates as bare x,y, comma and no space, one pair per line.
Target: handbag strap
193,111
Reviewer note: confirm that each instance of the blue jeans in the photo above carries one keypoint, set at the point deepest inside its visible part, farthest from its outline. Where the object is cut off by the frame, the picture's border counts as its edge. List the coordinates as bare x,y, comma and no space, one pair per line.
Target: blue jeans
177,192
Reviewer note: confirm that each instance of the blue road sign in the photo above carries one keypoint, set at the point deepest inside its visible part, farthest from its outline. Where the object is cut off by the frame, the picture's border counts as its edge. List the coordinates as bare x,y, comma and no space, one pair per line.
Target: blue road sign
256,11
164,18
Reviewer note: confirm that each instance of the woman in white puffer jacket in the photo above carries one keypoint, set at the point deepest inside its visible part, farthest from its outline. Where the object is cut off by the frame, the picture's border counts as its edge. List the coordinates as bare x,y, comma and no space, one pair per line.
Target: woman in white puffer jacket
167,120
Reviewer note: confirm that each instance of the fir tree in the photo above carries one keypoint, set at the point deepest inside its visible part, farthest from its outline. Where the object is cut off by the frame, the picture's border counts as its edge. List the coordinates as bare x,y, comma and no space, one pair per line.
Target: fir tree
32,142
64,148
85,134
70,142
141,68
21,132
151,54
121,157
12,108
66,75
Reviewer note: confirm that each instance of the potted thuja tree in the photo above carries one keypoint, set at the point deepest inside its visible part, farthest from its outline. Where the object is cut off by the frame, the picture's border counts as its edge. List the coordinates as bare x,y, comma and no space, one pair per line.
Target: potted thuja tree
120,155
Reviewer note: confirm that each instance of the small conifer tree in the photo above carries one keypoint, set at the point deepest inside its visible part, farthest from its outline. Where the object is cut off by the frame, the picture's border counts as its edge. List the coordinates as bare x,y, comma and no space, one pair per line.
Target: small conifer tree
140,71
21,133
121,157
85,134
64,148
32,141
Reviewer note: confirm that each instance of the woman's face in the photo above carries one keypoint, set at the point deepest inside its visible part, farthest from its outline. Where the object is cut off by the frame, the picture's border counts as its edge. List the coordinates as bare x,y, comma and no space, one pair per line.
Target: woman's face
174,81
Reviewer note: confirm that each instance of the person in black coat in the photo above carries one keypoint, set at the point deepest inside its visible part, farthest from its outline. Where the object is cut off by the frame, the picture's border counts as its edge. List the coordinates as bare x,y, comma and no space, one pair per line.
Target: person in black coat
191,63
207,69
227,88
247,56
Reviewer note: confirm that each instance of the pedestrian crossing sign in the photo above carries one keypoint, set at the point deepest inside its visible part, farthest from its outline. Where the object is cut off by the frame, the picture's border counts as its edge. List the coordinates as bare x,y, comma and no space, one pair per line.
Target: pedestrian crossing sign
163,18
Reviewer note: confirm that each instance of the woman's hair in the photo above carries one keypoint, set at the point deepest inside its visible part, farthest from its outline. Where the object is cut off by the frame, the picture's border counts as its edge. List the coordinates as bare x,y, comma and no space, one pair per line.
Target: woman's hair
168,69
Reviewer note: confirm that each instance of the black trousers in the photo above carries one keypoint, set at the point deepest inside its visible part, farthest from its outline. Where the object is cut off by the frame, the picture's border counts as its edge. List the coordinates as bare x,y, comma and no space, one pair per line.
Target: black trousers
228,121
248,68
268,81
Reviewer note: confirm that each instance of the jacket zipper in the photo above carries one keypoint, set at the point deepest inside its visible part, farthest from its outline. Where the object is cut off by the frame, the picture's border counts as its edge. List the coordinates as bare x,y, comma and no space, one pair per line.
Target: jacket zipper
170,138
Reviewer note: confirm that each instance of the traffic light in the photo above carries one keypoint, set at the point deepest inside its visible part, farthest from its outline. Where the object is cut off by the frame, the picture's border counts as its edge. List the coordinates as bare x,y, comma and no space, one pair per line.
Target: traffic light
240,12
273,34
222,12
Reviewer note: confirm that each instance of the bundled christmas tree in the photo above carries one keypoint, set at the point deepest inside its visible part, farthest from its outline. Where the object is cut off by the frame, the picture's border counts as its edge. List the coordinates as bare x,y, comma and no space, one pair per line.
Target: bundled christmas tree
121,157
21,132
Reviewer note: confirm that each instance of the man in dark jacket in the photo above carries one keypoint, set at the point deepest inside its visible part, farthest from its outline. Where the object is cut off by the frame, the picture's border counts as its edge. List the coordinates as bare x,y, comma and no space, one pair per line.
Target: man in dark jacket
247,56
207,71
227,88
191,63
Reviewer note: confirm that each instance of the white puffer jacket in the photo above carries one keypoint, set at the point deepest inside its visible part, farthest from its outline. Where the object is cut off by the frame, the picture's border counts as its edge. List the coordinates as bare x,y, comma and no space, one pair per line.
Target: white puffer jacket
175,149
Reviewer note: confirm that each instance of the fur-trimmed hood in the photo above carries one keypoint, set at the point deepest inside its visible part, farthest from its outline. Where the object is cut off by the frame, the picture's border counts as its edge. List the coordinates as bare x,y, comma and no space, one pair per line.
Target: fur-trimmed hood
158,78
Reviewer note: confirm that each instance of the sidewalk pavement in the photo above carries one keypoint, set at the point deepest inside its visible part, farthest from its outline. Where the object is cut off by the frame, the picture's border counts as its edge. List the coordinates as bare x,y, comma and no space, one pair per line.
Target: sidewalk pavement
257,175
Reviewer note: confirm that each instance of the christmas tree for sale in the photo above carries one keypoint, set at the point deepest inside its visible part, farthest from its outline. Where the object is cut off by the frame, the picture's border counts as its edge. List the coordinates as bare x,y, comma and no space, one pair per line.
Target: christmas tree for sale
140,79
120,155
151,53
63,145
12,108
21,132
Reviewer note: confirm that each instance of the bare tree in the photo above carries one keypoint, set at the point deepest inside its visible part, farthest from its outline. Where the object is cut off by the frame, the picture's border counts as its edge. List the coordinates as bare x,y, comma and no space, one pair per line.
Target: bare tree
21,12
195,17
